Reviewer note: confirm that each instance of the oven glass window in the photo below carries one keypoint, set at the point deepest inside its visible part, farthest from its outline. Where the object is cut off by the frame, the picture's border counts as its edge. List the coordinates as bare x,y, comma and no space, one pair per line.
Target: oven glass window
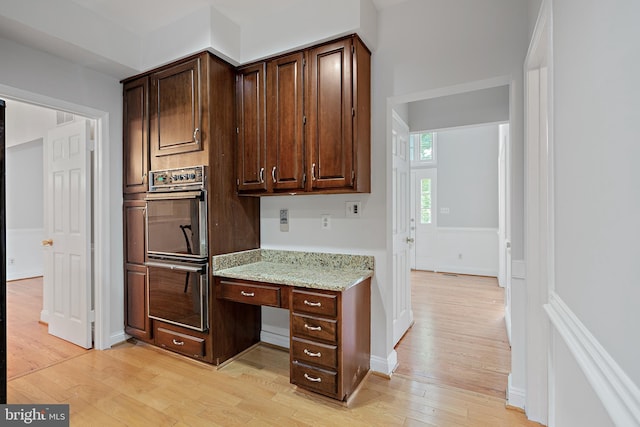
173,227
178,297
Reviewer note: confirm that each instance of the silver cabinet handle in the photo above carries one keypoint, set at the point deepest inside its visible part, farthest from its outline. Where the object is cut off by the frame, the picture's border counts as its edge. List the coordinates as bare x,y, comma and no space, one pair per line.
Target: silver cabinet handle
261,173
310,378
176,342
313,172
247,294
195,135
313,304
308,353
312,328
273,174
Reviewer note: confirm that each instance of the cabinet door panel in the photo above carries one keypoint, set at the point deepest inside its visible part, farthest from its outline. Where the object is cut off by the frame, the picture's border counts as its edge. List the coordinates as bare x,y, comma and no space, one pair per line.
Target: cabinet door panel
176,109
329,106
251,120
135,136
134,216
137,322
285,122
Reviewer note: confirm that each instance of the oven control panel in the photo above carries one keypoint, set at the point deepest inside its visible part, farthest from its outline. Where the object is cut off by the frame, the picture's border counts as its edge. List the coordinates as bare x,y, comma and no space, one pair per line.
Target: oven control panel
177,179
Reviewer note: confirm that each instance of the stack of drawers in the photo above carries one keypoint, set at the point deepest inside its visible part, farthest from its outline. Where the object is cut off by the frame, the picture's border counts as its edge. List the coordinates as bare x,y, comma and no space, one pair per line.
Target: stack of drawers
315,341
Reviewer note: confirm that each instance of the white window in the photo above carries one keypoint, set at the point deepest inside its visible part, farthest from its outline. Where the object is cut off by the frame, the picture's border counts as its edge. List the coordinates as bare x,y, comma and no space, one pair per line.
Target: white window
422,147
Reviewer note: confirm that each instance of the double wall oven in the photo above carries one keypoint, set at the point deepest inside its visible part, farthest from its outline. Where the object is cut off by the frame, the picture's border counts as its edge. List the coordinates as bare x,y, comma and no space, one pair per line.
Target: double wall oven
177,247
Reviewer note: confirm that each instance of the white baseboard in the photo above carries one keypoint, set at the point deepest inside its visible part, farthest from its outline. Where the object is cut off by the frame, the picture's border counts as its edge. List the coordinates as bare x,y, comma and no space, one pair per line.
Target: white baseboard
516,397
384,366
118,337
467,270
275,336
619,395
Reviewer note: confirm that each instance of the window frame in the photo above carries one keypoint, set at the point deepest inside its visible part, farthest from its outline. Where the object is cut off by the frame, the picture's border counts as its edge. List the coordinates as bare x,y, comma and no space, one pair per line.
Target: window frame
416,150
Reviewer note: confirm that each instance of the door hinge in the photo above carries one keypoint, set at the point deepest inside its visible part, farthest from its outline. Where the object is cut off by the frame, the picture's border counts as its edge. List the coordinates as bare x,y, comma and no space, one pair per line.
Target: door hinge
92,316
353,112
304,120
91,145
238,131
238,182
353,49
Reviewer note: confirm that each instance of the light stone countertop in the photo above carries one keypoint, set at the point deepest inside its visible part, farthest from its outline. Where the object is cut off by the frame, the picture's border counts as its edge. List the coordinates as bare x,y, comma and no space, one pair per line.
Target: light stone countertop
336,272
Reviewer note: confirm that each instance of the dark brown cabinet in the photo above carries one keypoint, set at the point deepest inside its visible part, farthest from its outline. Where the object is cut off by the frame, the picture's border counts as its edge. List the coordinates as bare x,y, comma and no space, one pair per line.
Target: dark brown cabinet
175,109
137,322
316,117
285,123
337,105
251,128
135,136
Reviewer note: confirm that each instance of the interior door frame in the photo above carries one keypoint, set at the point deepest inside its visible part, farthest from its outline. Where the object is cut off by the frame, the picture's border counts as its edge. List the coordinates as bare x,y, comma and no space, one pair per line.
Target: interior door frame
3,266
101,190
392,103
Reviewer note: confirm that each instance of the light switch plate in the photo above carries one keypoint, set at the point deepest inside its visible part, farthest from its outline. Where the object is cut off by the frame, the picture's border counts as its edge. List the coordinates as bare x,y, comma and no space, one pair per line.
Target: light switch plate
354,209
284,219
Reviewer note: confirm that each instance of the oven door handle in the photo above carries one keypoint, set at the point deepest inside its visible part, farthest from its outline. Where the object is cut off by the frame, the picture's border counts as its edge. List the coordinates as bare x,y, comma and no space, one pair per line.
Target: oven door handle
189,268
174,195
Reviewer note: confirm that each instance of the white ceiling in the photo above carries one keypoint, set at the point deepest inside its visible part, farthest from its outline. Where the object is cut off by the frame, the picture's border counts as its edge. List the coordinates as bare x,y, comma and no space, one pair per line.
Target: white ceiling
128,21
143,16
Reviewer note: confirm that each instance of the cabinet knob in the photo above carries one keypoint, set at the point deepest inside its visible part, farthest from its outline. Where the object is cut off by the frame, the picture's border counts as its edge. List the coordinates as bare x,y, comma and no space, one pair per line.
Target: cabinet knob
195,135
310,354
273,174
261,175
312,328
312,379
313,172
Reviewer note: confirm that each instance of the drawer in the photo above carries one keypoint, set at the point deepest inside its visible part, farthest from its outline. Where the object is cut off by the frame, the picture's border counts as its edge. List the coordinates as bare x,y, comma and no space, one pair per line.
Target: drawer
180,343
314,328
249,293
315,379
314,353
315,303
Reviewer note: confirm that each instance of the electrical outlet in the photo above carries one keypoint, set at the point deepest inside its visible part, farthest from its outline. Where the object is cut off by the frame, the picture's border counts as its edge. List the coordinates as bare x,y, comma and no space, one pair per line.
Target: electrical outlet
326,221
354,209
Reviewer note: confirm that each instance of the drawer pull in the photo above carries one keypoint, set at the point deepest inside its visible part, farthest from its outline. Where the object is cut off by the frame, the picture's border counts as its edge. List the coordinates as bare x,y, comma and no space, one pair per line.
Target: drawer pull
312,379
247,294
313,304
176,342
308,353
312,328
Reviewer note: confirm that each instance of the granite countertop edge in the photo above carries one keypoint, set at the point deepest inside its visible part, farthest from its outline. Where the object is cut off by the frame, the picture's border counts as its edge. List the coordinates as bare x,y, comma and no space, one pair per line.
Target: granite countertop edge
315,270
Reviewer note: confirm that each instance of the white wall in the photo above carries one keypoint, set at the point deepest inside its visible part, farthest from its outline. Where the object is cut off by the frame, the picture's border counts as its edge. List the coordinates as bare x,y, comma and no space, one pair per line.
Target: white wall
596,112
470,108
30,74
467,160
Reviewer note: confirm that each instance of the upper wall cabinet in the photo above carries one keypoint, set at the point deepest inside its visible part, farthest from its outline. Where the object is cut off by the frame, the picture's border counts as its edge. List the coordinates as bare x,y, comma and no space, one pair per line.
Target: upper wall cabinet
269,101
317,121
251,162
136,136
176,110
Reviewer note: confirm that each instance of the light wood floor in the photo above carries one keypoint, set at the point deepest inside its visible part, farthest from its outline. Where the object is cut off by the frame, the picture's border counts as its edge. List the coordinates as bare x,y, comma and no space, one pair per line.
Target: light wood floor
29,345
135,384
459,336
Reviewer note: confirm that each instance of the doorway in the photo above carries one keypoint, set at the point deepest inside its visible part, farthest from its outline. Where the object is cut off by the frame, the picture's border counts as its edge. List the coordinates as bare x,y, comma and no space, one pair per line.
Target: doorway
33,131
400,103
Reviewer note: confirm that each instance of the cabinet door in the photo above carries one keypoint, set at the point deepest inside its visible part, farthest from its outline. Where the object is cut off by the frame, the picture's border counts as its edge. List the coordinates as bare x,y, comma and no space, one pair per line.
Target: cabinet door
137,322
329,116
136,135
251,125
285,135
134,231
176,110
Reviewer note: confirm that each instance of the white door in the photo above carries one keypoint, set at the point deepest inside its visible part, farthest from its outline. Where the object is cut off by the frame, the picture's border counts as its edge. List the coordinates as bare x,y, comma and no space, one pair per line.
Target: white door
402,313
424,218
67,266
504,252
